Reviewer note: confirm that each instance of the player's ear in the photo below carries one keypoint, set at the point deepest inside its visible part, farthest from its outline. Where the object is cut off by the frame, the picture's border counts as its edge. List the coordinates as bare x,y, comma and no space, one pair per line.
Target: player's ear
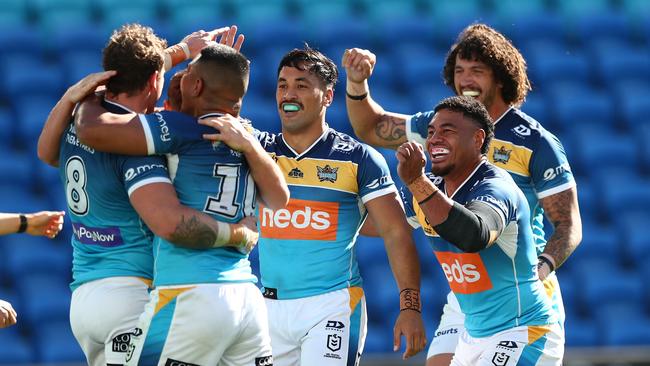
328,98
197,87
479,138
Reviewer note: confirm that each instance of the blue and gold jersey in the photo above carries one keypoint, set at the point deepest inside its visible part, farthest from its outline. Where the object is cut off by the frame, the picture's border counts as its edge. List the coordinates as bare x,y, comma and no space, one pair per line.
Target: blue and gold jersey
307,248
497,288
109,238
209,177
532,155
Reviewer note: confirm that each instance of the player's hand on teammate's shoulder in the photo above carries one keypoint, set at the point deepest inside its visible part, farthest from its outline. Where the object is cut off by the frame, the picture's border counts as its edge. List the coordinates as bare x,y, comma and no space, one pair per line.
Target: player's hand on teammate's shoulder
230,131
8,316
87,86
409,323
358,64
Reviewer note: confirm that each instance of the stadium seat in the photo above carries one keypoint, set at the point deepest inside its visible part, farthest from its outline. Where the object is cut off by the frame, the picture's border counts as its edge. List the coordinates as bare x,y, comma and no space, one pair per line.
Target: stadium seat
19,198
45,299
608,284
633,231
416,66
514,12
32,77
580,8
31,255
632,104
616,61
392,100
581,332
542,26
611,25
425,97
194,16
21,166
378,339
56,344
377,11
76,65
369,250
116,18
574,104
630,195
32,112
417,31
613,151
262,111
643,138
551,62
623,322
311,12
15,349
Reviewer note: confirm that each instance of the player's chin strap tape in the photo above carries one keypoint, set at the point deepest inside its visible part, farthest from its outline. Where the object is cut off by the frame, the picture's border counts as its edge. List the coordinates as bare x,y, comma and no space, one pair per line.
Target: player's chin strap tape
468,228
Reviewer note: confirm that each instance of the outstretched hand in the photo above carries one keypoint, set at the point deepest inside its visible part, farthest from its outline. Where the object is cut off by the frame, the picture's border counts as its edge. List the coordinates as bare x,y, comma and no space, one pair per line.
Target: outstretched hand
409,324
45,223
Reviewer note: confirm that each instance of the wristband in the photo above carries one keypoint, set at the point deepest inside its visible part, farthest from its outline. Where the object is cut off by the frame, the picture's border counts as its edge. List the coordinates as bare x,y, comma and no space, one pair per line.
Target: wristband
356,97
409,299
186,49
428,198
545,258
176,54
23,224
223,234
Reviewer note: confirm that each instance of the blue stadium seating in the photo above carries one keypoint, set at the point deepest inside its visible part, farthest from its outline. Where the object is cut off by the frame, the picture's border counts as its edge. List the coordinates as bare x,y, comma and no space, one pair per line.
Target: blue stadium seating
56,344
590,67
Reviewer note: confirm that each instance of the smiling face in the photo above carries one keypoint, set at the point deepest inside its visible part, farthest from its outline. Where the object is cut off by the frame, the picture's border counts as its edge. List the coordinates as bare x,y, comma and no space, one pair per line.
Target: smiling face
453,143
302,99
476,79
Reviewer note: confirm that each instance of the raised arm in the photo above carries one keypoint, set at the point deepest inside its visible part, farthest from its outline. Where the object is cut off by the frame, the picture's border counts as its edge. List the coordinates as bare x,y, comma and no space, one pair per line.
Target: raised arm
371,123
109,132
388,217
266,173
59,117
194,42
158,205
562,211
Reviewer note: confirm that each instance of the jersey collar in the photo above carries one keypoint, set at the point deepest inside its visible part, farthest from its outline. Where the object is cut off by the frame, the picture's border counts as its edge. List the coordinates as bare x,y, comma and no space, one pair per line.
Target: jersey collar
116,104
307,150
504,113
480,164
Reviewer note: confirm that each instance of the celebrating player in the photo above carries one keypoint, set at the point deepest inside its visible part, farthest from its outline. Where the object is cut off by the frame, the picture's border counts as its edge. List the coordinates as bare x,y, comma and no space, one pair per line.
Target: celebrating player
485,65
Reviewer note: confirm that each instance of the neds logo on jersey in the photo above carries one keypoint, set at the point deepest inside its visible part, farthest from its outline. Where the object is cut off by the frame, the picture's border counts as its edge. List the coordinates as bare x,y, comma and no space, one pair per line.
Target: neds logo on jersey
301,219
465,272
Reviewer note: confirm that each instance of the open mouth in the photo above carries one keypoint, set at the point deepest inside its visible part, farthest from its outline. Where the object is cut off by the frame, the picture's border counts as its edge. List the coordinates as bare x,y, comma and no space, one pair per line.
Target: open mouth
438,154
471,93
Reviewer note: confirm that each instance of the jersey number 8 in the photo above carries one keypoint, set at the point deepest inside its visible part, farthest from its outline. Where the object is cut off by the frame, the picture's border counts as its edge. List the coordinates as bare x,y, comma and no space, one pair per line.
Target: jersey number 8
75,186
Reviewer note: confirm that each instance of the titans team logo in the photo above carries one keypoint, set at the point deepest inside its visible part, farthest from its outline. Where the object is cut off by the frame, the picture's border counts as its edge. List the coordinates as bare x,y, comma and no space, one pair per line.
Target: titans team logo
296,173
327,173
501,155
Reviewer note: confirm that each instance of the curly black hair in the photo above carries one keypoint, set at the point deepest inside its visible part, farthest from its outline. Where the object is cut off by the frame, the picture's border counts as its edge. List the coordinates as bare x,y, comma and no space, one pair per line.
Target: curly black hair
475,111
481,43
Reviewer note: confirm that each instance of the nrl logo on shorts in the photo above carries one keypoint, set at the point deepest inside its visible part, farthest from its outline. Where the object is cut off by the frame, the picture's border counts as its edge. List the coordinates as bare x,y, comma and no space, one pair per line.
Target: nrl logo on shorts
296,173
327,173
333,342
501,155
500,359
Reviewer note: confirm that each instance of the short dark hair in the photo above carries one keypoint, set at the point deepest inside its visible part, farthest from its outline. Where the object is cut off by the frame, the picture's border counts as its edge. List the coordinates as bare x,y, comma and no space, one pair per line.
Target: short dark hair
482,43
475,111
313,61
227,59
135,52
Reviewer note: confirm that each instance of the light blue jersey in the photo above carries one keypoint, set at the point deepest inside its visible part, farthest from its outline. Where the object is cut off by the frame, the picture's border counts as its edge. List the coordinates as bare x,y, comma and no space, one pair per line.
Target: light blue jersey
208,177
109,239
307,248
497,288
532,155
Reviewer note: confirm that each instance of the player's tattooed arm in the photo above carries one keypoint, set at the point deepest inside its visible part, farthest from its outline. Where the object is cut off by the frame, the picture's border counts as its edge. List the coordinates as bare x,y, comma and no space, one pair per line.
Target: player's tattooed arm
391,130
190,232
562,211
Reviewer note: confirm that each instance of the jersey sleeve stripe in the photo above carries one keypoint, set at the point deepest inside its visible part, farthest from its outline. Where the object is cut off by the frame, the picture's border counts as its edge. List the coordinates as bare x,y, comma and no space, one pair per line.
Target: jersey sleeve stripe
410,135
558,189
151,149
382,192
144,182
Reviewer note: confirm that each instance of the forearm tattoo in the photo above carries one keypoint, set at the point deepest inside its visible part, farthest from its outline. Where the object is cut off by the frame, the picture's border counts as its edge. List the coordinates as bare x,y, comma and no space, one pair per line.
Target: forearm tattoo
562,211
192,233
391,129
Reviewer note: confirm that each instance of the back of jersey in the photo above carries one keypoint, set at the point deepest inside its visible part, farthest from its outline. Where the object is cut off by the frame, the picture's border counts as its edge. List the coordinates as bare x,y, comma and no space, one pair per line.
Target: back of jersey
109,238
207,177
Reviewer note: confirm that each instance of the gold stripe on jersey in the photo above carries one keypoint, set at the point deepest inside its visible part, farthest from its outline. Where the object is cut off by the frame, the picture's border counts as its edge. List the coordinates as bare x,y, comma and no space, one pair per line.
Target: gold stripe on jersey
536,332
165,296
356,293
510,157
550,286
321,173
422,219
